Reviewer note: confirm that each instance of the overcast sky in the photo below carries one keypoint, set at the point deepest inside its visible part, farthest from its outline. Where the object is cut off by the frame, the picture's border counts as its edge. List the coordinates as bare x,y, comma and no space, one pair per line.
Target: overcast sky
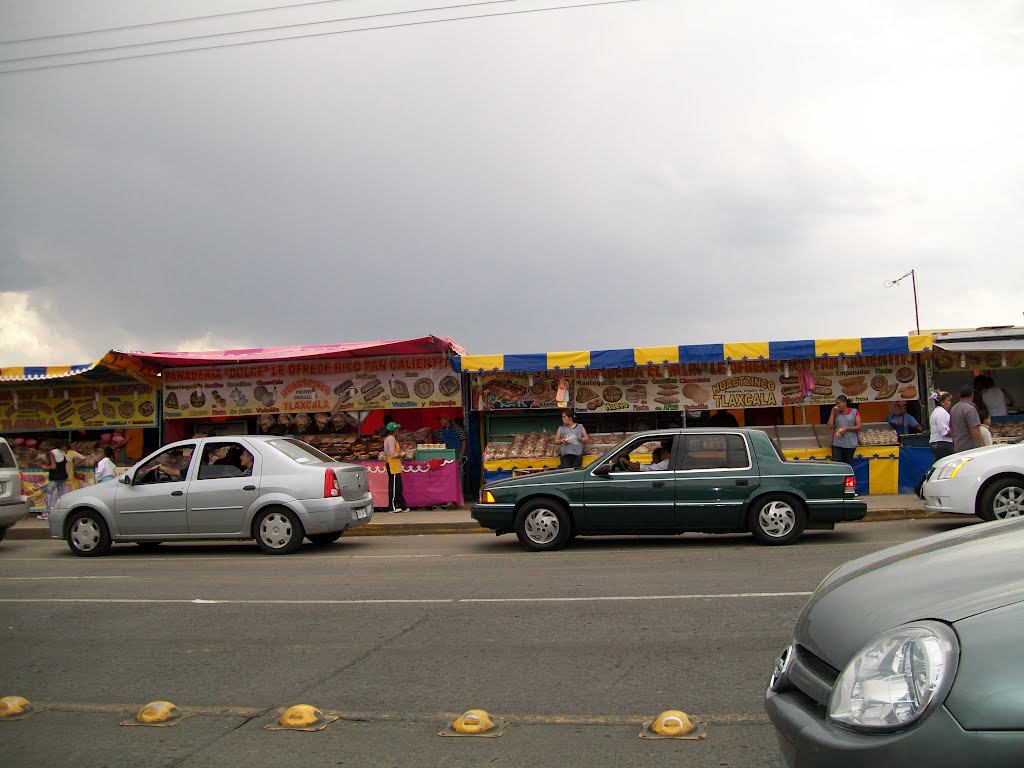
632,174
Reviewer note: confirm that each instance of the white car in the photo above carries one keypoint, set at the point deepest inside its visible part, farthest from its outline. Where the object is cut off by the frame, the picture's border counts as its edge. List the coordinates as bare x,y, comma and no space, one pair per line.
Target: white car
987,482
276,490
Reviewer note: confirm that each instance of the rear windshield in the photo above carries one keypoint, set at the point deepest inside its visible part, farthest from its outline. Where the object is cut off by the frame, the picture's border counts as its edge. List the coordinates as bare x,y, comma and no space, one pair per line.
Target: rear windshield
298,451
6,457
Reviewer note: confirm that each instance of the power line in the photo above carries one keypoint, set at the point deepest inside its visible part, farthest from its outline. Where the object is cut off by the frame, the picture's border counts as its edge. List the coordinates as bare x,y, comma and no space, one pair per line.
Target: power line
312,34
214,35
167,21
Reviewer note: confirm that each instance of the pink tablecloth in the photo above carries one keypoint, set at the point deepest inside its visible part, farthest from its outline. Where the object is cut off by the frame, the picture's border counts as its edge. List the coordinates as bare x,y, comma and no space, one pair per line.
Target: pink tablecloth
421,485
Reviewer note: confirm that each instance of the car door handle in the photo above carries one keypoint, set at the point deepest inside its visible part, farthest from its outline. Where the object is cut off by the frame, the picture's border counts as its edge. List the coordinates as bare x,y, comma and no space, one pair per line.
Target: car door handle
177,493
658,484
742,482
248,487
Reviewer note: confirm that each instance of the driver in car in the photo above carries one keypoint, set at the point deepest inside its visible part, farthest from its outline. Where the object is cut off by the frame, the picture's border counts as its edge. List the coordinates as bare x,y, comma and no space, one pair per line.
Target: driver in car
177,471
659,461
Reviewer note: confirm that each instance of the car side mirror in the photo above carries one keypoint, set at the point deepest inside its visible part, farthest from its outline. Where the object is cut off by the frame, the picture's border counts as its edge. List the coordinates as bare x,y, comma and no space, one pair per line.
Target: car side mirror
126,479
603,471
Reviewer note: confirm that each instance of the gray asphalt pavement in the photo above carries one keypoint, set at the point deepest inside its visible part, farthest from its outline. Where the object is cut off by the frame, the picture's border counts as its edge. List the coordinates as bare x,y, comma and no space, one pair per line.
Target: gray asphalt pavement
400,634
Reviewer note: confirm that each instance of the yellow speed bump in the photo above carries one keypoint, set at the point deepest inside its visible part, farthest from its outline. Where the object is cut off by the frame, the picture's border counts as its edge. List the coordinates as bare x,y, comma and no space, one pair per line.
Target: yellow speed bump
673,724
158,714
475,722
15,708
302,717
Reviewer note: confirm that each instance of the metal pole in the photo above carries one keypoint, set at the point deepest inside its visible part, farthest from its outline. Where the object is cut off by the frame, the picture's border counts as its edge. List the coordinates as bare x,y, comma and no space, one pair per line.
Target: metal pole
917,320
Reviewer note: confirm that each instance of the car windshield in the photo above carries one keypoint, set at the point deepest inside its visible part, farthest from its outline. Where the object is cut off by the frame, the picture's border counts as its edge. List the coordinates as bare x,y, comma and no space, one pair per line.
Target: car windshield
298,451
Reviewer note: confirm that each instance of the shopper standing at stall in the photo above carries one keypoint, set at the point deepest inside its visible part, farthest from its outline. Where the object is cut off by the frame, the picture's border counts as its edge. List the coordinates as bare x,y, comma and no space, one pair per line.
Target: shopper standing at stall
57,469
995,398
964,422
393,461
845,423
571,438
941,439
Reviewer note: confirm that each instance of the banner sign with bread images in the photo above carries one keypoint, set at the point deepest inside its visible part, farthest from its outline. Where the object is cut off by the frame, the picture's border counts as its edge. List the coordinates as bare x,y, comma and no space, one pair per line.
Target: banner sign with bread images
972,361
703,386
95,406
345,384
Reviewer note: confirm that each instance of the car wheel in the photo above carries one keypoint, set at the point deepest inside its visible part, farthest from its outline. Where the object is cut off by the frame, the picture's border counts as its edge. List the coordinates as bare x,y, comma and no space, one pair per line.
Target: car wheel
777,519
278,531
324,539
87,534
543,525
1002,499
3,532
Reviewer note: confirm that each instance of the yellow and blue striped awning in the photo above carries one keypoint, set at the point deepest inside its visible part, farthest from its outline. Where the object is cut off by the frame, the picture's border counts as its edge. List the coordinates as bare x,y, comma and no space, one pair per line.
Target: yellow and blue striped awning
43,372
695,353
113,366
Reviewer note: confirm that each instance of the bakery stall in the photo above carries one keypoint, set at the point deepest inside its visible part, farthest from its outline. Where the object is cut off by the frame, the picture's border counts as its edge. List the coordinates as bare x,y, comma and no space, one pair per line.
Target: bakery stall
111,402
337,397
785,388
996,354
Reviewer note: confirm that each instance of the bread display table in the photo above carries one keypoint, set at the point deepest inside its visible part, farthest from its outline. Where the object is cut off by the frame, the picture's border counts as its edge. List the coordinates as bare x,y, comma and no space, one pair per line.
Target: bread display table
424,483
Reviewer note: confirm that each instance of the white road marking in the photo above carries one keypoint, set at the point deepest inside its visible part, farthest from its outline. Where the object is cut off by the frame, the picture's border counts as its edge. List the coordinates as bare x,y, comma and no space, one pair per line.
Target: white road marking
48,578
441,601
643,550
715,596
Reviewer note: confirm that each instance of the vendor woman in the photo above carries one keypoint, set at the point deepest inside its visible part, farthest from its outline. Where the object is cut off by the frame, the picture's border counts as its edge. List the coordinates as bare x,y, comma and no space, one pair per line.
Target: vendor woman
570,438
845,423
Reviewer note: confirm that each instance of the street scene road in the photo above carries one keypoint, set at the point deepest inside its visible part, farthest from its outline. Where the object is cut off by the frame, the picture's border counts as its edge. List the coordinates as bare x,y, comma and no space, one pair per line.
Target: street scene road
398,635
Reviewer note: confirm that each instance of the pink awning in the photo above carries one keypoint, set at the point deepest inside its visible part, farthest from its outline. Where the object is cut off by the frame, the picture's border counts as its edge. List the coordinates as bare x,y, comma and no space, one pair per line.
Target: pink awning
422,346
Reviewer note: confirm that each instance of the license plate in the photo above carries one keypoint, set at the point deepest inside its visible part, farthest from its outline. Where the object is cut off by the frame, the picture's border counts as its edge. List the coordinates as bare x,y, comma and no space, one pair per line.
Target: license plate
362,512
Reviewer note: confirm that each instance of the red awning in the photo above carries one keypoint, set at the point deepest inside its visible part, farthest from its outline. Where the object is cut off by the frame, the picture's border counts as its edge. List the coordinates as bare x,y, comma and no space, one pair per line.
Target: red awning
422,346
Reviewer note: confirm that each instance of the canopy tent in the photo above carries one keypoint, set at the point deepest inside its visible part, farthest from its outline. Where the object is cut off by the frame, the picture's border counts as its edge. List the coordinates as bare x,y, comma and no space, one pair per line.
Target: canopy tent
695,353
424,345
981,340
113,366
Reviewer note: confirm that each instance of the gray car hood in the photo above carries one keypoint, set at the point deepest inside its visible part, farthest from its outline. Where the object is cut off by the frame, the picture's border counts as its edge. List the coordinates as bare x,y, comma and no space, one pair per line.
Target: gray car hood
946,577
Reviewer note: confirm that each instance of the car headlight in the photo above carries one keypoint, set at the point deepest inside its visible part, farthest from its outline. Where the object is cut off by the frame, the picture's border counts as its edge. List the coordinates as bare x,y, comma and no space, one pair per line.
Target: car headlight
950,470
897,679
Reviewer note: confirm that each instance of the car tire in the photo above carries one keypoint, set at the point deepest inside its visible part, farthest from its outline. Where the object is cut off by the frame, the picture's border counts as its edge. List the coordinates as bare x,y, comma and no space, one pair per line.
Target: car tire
278,531
543,525
323,539
87,534
777,519
3,532
1002,499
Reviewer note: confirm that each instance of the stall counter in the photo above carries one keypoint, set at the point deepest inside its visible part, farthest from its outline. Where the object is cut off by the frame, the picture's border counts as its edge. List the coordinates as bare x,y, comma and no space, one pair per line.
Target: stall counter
424,483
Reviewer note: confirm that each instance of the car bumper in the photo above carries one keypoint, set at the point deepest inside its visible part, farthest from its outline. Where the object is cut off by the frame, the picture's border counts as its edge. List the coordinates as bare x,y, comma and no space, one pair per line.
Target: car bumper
499,517
329,515
953,497
13,511
806,740
837,511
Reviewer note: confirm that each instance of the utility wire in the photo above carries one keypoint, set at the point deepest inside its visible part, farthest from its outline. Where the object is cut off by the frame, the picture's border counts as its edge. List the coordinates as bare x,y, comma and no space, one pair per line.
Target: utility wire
167,21
214,35
308,35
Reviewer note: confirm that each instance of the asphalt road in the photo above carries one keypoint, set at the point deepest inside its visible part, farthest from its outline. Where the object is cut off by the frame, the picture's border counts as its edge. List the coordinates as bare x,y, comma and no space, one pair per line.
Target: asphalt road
400,634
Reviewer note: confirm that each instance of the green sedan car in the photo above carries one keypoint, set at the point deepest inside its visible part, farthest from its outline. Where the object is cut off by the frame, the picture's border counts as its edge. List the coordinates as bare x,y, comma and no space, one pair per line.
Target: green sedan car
706,480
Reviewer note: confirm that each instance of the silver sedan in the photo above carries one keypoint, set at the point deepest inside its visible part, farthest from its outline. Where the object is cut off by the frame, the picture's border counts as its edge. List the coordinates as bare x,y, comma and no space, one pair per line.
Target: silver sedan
275,490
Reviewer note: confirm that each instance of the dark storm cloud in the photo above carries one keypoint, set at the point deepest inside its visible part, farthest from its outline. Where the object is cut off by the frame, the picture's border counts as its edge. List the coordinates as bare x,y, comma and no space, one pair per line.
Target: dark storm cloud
643,174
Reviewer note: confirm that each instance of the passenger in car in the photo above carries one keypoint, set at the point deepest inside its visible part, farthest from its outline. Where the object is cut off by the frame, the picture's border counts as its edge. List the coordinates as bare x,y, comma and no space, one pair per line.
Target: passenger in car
245,463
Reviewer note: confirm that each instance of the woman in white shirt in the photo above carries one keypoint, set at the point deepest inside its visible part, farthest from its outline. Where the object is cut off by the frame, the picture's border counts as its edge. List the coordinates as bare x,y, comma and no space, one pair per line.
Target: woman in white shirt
941,440
105,469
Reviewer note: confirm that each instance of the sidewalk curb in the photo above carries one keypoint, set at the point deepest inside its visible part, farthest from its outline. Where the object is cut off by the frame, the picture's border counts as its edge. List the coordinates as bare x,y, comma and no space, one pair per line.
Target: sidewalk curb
428,528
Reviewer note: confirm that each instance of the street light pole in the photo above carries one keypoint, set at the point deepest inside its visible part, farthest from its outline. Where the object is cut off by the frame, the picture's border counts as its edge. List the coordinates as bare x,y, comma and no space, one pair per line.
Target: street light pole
913,281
